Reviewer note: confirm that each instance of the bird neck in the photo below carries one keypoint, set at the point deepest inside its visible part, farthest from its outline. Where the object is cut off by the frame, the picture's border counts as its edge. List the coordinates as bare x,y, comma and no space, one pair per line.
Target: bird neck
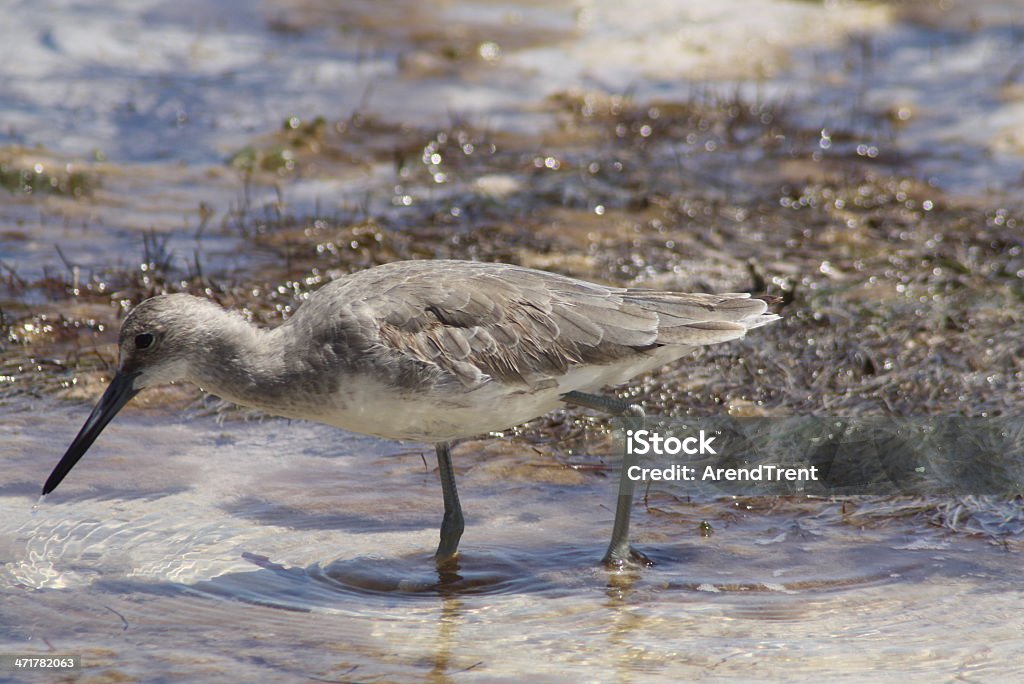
261,369
233,360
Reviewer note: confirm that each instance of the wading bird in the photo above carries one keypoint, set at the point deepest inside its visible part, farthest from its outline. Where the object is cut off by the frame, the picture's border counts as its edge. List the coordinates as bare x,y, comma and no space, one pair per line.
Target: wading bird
430,351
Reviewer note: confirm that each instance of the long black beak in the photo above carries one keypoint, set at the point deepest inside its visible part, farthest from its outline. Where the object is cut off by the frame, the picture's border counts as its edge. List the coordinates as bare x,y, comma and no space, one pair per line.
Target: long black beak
118,393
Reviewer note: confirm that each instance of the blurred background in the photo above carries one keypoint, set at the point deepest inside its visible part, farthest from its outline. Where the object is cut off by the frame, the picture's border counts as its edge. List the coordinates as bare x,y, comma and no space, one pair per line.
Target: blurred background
862,161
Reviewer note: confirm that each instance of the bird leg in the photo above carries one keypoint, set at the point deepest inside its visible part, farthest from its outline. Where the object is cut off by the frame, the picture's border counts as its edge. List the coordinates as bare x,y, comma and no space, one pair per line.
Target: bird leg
619,551
453,523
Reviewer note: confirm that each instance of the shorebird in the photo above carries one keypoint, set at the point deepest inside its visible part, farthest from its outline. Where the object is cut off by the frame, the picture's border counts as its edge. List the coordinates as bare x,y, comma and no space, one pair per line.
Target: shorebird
431,351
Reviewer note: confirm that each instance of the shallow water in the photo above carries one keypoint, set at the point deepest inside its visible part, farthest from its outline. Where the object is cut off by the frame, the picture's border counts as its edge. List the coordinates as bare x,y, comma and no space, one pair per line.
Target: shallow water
282,550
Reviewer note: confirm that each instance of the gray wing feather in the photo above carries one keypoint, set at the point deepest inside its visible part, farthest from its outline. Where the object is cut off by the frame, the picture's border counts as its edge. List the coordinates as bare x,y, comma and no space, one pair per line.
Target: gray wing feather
480,321
576,325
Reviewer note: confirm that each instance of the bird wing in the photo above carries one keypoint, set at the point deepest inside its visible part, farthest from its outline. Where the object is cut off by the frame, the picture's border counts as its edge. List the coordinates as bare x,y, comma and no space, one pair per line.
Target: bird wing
496,321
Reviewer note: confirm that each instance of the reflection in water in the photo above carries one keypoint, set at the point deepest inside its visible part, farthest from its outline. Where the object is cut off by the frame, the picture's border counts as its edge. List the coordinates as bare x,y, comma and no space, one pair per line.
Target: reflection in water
625,622
447,634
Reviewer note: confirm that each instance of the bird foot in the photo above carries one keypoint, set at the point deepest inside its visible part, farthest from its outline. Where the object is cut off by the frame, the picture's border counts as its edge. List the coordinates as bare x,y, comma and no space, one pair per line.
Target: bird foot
632,558
447,561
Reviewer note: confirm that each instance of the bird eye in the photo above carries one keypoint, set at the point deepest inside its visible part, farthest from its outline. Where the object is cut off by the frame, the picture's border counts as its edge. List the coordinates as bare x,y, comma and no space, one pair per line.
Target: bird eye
144,340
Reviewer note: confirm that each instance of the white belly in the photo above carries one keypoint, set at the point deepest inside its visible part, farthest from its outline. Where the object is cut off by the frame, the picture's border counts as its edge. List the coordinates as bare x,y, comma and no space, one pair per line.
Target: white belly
371,408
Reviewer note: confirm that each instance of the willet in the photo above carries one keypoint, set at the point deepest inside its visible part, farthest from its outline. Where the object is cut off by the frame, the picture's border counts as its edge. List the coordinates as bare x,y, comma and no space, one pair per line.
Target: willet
431,351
